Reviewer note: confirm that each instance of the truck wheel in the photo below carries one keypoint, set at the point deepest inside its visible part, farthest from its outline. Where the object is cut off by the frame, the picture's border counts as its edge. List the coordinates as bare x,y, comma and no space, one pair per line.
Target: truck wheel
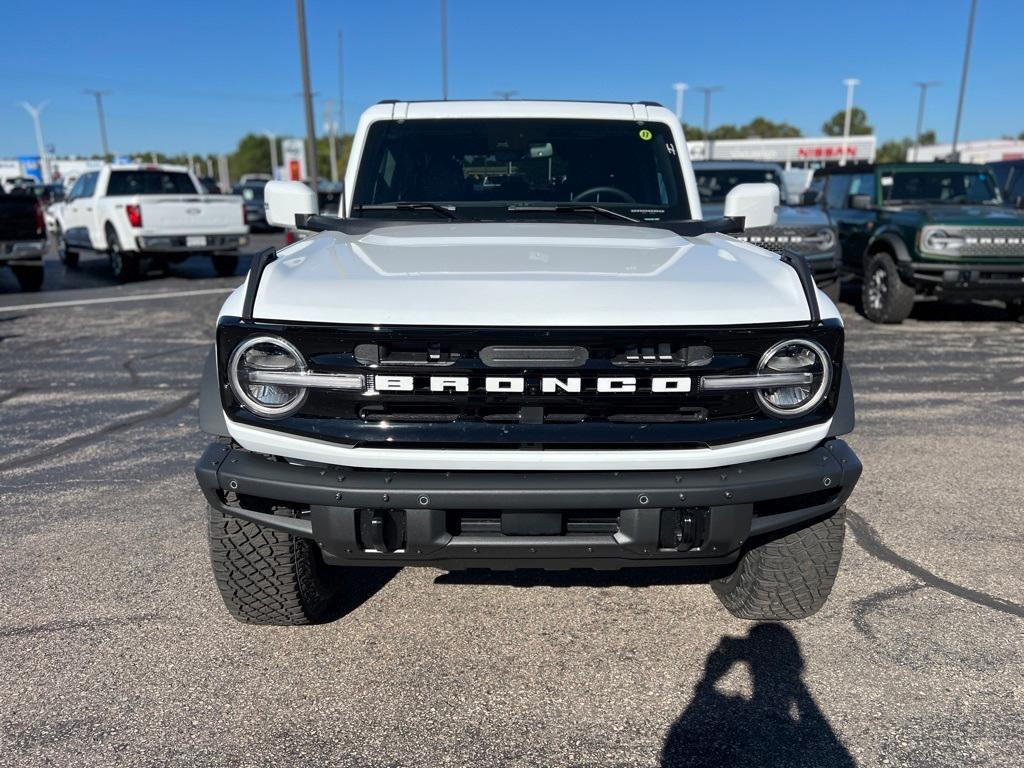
125,266
67,257
886,298
29,278
225,264
1015,309
788,577
269,577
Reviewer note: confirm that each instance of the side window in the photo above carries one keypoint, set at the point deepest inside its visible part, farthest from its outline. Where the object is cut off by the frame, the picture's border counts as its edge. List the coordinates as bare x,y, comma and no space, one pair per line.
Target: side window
838,190
862,184
1016,185
88,184
76,190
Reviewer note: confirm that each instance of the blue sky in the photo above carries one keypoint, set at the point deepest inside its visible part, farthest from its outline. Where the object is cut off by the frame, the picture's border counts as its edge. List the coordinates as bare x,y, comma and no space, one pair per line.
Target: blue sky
195,76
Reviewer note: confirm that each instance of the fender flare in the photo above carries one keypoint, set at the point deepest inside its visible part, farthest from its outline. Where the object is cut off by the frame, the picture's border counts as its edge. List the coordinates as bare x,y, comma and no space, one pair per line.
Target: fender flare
895,244
844,419
211,412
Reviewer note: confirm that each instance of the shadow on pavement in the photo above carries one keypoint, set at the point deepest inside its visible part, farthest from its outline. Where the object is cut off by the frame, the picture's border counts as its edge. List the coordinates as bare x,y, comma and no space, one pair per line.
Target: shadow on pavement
360,584
777,725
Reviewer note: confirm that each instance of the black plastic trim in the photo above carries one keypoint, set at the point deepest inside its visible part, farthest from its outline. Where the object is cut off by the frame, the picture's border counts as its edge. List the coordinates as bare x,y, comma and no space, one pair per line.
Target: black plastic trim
211,412
844,418
259,263
803,271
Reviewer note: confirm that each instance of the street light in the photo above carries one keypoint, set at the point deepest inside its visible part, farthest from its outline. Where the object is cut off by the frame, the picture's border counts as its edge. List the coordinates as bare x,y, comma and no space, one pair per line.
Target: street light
707,91
850,84
103,123
963,78
44,163
924,86
444,49
680,89
307,94
273,153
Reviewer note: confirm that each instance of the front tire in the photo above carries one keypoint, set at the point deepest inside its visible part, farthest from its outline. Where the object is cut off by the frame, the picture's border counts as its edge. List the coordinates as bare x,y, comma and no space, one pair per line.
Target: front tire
125,266
67,257
886,298
29,278
269,577
225,264
788,577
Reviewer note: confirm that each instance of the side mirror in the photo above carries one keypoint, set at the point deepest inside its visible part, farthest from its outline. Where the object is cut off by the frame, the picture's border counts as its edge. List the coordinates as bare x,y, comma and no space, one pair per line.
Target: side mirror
809,197
284,200
861,202
757,203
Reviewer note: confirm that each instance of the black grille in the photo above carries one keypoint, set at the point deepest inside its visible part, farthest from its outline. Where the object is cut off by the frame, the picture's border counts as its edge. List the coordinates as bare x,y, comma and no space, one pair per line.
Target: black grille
532,419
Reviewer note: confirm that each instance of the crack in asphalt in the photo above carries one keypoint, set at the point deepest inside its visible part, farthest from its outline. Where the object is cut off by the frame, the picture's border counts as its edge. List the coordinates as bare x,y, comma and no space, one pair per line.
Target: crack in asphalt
869,540
129,364
866,605
73,624
110,429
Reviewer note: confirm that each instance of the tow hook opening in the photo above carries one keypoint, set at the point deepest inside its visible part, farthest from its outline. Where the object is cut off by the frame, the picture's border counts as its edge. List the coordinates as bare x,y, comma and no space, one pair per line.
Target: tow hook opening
381,530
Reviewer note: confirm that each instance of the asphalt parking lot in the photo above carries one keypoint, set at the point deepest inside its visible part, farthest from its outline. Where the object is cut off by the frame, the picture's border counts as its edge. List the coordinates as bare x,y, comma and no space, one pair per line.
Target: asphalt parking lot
116,649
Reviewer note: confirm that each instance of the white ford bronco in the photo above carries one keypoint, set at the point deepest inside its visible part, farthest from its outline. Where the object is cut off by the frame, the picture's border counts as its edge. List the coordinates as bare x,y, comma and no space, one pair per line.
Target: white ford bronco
521,345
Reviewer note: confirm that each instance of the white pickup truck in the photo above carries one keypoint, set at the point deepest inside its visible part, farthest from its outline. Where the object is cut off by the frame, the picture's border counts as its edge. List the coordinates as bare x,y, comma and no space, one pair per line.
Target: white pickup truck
148,215
522,345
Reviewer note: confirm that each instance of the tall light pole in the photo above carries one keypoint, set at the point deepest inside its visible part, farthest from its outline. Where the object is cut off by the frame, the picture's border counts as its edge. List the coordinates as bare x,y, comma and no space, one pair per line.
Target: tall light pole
707,91
341,83
444,49
273,153
680,89
850,83
963,79
332,133
307,94
98,95
44,162
924,86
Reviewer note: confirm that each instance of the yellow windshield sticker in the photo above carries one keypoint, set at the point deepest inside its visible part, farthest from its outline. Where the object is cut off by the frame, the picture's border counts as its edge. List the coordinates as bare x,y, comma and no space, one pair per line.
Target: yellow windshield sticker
646,135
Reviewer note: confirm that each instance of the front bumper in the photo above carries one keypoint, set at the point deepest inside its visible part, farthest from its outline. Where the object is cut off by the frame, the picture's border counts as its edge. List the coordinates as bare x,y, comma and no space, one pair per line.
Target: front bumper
22,253
180,243
967,280
508,520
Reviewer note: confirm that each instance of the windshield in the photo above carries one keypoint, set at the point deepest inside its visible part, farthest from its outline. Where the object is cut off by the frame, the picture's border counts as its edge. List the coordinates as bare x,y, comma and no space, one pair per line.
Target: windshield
480,167
939,186
150,183
714,184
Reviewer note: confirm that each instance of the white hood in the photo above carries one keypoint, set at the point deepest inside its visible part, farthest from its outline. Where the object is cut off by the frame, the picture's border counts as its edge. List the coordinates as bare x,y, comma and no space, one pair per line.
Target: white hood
529,275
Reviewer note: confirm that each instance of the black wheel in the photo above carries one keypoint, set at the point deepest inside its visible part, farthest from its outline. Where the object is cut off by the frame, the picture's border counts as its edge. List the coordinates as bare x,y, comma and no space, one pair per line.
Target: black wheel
268,577
789,576
1015,309
67,257
29,278
225,264
125,266
886,298
833,290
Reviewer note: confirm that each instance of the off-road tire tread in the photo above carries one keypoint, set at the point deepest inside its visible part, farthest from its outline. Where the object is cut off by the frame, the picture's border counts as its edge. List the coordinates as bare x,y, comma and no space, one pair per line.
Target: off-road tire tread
901,295
269,577
786,578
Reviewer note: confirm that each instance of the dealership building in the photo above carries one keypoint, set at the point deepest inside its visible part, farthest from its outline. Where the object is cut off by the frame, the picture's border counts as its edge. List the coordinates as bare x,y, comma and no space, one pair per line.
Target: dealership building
984,151
802,152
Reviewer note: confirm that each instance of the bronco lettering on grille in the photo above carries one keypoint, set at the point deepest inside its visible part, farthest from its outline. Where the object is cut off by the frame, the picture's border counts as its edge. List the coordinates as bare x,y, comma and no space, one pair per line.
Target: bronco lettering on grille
547,384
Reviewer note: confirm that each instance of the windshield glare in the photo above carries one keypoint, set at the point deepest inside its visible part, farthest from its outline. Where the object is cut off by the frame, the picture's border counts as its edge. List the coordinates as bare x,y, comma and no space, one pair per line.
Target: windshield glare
714,184
939,186
482,166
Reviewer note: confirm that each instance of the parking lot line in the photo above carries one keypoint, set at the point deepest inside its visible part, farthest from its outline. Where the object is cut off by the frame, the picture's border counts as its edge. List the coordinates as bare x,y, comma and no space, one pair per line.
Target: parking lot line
116,299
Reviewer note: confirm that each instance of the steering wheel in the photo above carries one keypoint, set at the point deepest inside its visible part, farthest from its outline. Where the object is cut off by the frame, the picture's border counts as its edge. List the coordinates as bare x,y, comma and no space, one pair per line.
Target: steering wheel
623,196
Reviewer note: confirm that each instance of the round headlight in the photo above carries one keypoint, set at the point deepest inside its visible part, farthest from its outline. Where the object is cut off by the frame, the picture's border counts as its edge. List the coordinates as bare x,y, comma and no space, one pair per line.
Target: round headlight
795,356
824,239
936,240
251,372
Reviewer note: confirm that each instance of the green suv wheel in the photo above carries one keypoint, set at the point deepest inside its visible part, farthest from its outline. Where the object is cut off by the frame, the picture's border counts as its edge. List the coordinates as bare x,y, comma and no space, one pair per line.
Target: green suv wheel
886,298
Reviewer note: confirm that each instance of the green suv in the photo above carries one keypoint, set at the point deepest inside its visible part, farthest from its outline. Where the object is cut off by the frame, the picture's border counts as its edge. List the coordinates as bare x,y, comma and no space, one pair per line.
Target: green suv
924,229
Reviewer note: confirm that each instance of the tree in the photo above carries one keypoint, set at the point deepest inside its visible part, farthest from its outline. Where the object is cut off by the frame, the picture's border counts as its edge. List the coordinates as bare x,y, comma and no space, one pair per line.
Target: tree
758,128
251,156
858,123
898,150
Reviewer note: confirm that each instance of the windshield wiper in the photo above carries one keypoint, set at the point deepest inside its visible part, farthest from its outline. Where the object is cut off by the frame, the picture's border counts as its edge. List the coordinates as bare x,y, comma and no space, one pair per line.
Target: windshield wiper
440,210
571,208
